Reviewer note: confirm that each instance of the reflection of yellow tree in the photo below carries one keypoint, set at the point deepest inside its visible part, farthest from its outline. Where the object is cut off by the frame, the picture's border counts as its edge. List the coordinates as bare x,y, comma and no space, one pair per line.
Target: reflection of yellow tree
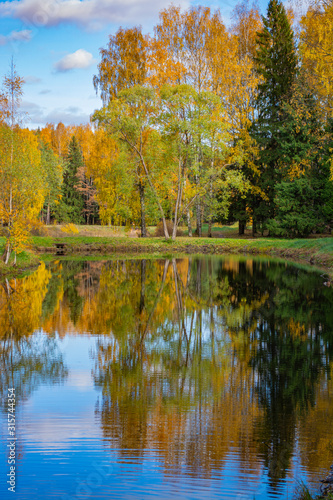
198,355
194,414
21,303
126,297
160,384
315,436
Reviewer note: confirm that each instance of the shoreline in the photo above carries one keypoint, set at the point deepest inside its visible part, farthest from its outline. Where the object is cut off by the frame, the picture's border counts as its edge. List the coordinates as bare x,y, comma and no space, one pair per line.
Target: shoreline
314,252
311,252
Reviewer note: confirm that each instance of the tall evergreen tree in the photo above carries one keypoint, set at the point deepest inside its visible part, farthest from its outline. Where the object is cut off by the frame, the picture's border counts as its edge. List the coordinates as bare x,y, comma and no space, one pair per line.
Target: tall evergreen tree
276,63
71,208
303,198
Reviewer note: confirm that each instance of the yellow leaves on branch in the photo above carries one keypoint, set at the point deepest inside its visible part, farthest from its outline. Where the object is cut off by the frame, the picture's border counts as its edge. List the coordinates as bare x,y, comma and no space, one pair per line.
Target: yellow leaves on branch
317,48
123,63
101,165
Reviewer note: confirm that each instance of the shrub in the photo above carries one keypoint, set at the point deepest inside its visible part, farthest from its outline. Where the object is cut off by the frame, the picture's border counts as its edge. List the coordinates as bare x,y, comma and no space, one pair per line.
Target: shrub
70,229
37,228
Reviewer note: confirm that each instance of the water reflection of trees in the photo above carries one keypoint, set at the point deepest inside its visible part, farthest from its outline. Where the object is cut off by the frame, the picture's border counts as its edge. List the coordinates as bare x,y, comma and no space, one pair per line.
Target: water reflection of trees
224,361
195,357
289,339
26,360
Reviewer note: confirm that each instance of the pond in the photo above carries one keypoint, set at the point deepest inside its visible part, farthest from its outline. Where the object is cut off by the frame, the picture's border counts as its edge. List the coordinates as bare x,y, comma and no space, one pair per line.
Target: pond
187,378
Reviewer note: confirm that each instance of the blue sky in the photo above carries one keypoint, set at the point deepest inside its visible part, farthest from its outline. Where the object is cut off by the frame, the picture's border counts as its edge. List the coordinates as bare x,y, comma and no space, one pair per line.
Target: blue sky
55,45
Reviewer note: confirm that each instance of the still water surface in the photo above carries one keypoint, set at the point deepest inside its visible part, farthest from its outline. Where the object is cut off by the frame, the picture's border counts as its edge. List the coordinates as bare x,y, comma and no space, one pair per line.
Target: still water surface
193,378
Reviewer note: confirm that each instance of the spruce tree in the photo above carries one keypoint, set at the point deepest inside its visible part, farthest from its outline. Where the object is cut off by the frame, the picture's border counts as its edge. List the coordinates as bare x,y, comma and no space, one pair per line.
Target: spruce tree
72,200
303,198
276,62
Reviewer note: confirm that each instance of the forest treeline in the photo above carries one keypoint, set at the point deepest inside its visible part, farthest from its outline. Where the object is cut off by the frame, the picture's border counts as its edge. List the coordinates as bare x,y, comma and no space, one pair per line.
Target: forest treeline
199,122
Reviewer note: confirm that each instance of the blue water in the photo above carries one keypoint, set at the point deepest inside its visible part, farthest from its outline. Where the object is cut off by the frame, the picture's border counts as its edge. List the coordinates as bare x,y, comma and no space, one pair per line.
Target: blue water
174,412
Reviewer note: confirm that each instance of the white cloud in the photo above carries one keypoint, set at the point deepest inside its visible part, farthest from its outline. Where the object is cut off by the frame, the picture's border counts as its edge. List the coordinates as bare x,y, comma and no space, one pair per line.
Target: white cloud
16,36
78,60
30,107
91,14
37,115
32,80
66,117
21,36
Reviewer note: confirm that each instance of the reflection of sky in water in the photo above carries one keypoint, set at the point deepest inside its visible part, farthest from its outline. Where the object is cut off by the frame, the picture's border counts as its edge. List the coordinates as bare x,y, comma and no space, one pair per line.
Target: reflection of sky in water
62,444
68,436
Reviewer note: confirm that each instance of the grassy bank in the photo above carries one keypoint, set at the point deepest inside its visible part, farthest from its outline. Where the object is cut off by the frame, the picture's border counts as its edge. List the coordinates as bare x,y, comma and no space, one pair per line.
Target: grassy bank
318,252
25,261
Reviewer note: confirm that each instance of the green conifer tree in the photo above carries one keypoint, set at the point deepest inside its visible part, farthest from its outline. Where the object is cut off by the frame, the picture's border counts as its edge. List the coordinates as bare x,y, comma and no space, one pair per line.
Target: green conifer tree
276,62
304,198
71,207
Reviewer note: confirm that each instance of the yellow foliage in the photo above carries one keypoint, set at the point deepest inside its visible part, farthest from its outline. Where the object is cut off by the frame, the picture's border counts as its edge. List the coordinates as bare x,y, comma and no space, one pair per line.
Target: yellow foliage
70,228
22,184
316,48
21,303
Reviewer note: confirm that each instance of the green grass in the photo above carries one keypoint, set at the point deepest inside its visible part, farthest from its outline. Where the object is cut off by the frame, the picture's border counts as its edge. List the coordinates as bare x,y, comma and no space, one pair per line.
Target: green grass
24,263
317,251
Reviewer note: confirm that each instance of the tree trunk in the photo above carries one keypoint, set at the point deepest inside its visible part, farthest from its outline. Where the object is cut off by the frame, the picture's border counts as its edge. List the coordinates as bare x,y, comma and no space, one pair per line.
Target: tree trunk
210,216
254,227
209,228
198,210
166,232
7,253
189,225
177,207
48,214
241,227
143,210
199,226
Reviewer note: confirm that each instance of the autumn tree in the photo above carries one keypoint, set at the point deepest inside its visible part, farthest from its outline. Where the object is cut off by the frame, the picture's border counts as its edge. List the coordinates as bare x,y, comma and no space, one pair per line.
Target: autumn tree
22,186
86,186
21,175
3,107
229,54
316,49
195,132
130,119
52,167
189,38
165,61
123,63
115,185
